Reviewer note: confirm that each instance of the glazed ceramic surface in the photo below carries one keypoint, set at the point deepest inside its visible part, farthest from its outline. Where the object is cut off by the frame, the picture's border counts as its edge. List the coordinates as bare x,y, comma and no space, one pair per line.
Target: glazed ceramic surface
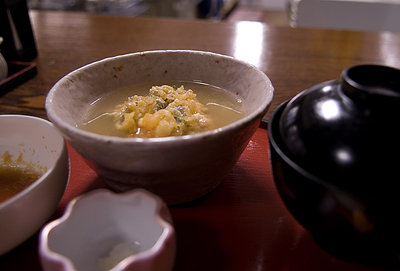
38,142
102,230
338,129
3,64
334,154
179,169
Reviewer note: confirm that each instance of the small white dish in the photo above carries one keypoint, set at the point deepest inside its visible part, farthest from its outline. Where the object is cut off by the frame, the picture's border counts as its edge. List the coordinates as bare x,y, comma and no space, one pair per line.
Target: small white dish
31,141
102,230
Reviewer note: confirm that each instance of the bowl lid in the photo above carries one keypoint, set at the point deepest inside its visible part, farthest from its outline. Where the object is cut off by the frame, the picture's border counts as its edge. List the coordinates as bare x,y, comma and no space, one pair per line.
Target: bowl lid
346,130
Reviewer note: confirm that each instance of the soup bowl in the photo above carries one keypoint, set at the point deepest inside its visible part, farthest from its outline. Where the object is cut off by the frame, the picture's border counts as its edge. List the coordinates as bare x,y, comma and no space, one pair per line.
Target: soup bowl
177,168
334,150
30,142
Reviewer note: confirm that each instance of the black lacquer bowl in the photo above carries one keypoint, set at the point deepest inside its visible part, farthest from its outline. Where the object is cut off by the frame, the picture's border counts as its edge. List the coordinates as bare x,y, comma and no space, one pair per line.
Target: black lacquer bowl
334,151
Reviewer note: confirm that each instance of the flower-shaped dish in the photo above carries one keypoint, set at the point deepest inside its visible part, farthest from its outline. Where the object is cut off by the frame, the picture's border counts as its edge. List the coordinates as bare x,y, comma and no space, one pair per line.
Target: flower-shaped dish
103,230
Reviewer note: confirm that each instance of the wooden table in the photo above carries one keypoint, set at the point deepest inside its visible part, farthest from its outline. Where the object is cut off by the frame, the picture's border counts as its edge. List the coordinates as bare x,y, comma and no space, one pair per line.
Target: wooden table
242,224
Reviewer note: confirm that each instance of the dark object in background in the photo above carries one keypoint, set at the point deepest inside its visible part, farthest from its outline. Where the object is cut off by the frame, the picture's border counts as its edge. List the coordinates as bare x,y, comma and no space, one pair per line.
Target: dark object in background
15,28
334,152
210,8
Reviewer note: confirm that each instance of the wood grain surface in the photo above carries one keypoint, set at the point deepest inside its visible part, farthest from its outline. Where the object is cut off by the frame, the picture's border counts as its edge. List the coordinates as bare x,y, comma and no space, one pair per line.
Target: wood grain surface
294,59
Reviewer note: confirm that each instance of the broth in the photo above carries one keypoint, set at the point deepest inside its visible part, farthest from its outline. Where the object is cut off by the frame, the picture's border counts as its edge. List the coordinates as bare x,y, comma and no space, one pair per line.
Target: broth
221,106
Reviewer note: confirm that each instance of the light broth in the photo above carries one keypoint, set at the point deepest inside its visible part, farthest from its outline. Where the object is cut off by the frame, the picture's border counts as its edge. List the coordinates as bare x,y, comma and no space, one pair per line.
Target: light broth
222,107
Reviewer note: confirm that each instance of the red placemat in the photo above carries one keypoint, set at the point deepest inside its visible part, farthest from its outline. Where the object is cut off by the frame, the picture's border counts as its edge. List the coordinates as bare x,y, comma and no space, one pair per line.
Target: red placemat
241,225
252,169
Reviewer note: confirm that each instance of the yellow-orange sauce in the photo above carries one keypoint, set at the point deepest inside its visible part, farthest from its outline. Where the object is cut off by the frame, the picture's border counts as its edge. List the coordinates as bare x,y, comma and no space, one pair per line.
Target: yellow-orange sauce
15,177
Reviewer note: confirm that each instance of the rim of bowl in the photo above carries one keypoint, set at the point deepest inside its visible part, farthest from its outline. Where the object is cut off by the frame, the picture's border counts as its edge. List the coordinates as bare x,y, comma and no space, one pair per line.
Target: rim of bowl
167,232
260,111
25,191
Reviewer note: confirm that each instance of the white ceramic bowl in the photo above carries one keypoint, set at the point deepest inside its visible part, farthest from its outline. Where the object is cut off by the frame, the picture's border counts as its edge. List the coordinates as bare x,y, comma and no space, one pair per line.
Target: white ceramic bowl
102,229
178,169
40,144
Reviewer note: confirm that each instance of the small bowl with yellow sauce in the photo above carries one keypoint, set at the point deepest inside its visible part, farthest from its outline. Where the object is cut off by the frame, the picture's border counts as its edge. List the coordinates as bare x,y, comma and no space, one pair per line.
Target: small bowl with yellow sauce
34,171
173,122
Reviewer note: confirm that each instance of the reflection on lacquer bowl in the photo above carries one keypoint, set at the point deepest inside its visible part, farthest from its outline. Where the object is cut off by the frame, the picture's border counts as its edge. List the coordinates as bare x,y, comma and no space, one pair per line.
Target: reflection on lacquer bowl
334,154
34,171
177,168
102,230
